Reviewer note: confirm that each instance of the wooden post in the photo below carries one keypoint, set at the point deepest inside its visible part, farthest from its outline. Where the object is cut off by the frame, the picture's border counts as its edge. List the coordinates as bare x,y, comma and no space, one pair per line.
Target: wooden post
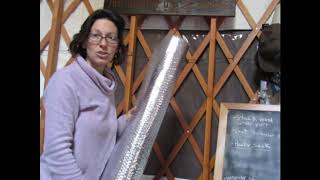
130,62
54,39
207,136
42,125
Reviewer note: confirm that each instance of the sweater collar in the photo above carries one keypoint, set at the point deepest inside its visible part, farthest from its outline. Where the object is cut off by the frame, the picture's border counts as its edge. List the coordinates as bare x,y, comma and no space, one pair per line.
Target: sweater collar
105,84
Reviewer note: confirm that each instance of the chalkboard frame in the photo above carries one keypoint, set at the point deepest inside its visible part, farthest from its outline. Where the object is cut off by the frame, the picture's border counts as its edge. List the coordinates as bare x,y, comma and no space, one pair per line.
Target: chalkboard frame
222,129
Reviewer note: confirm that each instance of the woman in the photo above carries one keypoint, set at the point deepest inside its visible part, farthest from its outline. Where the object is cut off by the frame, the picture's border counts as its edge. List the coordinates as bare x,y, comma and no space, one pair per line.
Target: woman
81,125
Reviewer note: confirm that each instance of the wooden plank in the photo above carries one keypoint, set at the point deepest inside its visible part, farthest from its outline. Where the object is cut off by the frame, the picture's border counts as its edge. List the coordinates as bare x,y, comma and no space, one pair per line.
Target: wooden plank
212,161
207,135
244,47
195,147
65,35
197,117
126,40
120,73
42,67
255,98
237,70
248,16
173,154
54,39
144,44
182,139
185,127
139,79
216,107
182,76
71,8
88,6
201,47
200,79
130,62
120,107
156,149
69,61
226,51
42,125
45,41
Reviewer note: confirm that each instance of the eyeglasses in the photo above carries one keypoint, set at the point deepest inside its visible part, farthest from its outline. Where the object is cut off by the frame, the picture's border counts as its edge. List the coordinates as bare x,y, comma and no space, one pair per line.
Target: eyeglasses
96,38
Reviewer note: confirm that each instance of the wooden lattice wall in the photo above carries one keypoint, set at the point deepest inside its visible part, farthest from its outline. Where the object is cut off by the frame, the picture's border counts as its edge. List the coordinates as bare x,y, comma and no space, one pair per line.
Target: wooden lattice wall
135,35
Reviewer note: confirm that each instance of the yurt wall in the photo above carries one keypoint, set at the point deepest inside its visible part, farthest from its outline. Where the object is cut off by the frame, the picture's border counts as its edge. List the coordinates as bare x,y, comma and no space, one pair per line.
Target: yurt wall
220,66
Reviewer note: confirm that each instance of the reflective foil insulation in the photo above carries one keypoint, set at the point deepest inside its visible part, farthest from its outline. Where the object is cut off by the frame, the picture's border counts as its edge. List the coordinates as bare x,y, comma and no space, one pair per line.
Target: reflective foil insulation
133,148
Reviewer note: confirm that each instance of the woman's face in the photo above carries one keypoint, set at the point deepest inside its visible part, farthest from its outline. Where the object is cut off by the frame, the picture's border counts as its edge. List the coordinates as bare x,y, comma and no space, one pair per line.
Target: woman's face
102,44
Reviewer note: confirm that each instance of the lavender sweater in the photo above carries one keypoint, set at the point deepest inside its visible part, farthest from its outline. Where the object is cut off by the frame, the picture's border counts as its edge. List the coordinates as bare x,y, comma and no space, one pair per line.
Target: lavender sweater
81,126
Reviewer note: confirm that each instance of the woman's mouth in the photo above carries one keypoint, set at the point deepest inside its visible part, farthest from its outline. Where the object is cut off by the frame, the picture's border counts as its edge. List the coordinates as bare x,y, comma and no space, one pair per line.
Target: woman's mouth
102,54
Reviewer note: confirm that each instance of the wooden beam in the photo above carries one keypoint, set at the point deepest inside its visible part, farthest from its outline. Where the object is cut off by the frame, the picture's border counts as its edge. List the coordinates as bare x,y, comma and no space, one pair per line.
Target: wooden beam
156,149
42,67
195,120
186,128
130,62
44,42
248,16
120,73
255,98
69,61
207,135
144,44
244,47
212,161
88,6
237,70
54,39
42,125
64,32
200,78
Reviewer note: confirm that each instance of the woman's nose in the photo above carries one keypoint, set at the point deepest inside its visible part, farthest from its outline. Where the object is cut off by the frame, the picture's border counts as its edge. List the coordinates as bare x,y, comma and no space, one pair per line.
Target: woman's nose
103,42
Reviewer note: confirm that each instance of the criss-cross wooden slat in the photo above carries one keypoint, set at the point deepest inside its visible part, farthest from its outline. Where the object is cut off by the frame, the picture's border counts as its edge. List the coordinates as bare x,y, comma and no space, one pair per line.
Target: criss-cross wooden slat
247,88
88,6
244,47
237,70
42,124
42,67
238,56
211,90
54,40
130,62
180,79
207,135
64,32
187,134
248,16
72,7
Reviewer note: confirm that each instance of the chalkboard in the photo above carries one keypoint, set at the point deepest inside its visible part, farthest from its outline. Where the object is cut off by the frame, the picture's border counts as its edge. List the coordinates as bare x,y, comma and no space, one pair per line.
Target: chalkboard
248,146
